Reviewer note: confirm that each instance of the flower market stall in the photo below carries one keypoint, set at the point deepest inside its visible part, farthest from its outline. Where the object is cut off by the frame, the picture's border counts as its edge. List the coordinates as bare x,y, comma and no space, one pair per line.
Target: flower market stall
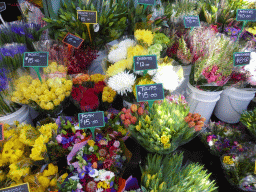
128,95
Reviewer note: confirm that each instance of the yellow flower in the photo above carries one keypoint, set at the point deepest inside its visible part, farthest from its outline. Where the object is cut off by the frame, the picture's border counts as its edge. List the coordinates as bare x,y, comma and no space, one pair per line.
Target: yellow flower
100,184
116,68
53,182
143,81
44,181
61,97
147,119
49,106
165,139
91,143
106,185
56,102
145,36
137,50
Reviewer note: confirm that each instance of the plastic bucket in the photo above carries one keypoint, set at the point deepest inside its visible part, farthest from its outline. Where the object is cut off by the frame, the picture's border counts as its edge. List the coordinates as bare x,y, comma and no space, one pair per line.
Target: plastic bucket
21,115
232,103
202,102
182,88
97,65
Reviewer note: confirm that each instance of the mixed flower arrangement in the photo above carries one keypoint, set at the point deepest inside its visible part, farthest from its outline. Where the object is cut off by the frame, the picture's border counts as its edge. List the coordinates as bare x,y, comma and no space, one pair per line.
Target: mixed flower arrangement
222,138
165,127
248,118
96,166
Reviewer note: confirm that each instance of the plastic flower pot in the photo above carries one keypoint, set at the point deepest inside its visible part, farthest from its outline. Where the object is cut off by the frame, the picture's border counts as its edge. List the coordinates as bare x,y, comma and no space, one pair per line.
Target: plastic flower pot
22,115
232,103
202,102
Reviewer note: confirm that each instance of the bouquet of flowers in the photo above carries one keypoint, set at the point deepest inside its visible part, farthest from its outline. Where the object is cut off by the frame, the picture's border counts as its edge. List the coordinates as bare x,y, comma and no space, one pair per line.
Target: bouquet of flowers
89,92
23,148
167,174
240,169
215,64
165,127
96,166
244,77
123,79
222,138
248,118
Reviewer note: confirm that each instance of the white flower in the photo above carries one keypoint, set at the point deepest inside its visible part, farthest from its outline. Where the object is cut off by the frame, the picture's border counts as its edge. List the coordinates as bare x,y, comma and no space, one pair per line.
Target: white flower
211,143
122,82
106,176
117,123
127,43
228,132
117,54
91,149
94,173
75,177
100,172
166,75
117,156
79,186
152,72
252,69
99,190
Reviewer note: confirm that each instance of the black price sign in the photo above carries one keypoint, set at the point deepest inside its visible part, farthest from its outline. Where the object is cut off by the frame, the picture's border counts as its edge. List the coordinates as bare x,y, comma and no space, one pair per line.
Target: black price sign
18,188
91,120
73,40
242,58
149,92
35,59
1,132
2,6
146,62
246,15
89,17
146,2
191,21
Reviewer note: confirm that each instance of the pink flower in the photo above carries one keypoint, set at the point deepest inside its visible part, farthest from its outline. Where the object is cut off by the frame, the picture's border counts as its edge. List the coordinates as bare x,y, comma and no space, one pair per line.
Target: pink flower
209,138
103,142
59,138
116,144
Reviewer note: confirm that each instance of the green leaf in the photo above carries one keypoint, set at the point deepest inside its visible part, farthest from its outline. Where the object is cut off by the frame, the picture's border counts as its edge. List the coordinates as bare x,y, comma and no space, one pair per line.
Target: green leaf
111,23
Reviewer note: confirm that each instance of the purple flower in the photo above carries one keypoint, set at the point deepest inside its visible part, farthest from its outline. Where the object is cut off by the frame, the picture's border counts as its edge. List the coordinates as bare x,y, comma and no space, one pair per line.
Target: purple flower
82,174
105,119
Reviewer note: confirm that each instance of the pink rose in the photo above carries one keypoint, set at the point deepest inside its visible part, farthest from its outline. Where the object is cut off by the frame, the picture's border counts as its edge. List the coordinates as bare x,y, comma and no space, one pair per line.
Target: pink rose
116,144
209,138
59,138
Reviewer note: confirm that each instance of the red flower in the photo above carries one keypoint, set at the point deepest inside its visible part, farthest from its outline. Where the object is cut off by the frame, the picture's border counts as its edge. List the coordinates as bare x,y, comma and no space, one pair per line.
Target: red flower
89,101
93,158
77,93
99,87
107,163
172,51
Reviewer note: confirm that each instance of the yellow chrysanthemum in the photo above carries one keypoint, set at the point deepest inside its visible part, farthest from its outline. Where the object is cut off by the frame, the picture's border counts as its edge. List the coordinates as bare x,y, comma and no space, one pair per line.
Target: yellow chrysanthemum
144,81
145,36
117,67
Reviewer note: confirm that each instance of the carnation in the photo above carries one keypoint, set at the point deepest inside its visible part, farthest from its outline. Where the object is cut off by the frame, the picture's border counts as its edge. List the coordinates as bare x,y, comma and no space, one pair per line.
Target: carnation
122,82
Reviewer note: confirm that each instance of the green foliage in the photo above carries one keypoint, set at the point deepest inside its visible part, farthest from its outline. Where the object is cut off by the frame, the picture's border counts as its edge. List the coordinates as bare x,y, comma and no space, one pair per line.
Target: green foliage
111,19
248,118
167,174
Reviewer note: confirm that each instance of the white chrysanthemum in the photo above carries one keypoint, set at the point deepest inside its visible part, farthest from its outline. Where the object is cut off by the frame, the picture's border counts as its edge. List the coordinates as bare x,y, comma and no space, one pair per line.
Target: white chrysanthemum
252,69
117,54
122,82
127,43
152,72
120,52
166,75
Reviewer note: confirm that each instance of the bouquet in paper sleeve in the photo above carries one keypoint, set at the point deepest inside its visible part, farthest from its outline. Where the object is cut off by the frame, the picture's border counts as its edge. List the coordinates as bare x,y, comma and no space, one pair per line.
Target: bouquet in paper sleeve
165,127
96,166
221,138
248,118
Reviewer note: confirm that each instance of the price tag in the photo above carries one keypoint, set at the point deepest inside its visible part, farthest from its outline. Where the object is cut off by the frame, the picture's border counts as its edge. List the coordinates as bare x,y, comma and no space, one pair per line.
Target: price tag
147,62
89,17
150,92
1,132
191,21
2,6
146,2
241,58
246,15
18,188
91,120
73,40
35,59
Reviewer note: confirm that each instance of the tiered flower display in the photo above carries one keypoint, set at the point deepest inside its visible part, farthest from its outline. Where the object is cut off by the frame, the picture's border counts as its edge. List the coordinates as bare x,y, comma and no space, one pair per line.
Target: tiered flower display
163,128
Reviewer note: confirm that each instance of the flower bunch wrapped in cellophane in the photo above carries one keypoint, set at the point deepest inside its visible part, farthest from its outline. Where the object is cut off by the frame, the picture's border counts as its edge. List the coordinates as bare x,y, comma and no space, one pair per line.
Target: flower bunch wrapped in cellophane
240,169
221,138
166,173
166,126
46,95
23,149
248,118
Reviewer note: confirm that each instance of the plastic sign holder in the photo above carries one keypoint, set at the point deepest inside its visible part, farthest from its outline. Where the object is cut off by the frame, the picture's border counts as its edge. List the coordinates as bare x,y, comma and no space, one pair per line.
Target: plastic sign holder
91,120
88,17
35,60
145,3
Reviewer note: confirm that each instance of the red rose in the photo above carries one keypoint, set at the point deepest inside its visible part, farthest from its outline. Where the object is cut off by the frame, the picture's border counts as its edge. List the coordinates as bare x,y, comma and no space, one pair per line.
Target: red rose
99,87
89,101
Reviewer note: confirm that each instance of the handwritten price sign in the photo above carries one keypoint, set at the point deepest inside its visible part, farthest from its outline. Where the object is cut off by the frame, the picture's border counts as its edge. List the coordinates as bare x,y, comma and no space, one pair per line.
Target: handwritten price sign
147,62
73,40
150,92
35,59
242,58
191,21
18,188
246,15
85,16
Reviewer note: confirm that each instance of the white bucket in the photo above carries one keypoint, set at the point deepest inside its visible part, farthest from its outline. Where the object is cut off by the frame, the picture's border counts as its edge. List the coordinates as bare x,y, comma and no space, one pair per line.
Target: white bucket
232,103
21,115
202,102
182,88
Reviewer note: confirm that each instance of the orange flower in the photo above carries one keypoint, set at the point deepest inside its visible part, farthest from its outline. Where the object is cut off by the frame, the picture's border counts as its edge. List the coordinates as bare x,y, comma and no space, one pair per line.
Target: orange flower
198,128
200,123
191,124
187,119
134,108
202,119
94,165
189,114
